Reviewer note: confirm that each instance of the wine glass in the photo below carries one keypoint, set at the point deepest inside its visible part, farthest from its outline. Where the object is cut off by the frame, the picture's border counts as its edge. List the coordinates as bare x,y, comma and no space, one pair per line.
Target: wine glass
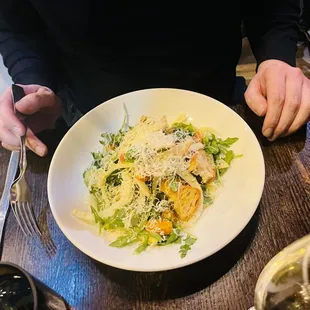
284,283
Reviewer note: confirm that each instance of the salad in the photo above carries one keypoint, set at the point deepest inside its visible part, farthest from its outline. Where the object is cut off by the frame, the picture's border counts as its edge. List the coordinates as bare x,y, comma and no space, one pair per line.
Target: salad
149,183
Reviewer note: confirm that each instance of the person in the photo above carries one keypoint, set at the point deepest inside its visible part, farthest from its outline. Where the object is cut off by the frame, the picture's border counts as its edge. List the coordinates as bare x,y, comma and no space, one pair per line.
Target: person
91,50
305,15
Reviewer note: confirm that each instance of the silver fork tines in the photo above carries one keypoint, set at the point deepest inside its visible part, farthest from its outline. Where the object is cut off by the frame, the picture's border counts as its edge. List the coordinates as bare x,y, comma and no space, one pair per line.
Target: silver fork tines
20,198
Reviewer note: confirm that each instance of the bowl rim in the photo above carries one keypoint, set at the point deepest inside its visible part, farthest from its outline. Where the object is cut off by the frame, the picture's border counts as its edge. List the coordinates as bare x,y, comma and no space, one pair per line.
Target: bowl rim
28,277
185,263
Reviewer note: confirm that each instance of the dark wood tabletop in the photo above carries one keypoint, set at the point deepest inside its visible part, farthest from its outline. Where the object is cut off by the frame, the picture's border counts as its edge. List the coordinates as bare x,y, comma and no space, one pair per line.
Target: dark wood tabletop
225,281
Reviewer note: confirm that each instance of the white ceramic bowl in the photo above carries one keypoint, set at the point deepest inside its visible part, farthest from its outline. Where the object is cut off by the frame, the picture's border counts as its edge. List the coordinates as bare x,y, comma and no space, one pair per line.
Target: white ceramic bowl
222,222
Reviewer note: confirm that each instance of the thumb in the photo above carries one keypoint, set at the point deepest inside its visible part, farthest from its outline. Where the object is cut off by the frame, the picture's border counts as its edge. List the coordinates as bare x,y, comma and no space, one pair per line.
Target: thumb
255,99
34,102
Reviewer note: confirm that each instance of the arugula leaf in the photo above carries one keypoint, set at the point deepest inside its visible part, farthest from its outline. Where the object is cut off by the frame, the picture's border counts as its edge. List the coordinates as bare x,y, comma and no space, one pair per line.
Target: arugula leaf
112,139
238,156
142,247
96,192
125,125
93,190
174,186
144,244
186,128
208,138
227,142
115,177
115,139
85,177
188,242
156,236
124,240
98,219
97,156
121,241
179,240
129,156
215,146
207,201
173,237
135,220
115,221
212,148
221,153
229,156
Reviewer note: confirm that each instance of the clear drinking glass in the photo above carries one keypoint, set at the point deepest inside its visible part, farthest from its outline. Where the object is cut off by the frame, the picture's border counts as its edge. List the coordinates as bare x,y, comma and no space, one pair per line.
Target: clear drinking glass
284,282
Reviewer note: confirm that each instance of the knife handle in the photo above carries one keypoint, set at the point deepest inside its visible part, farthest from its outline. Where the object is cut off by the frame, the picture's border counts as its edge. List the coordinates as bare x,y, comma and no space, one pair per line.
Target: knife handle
17,94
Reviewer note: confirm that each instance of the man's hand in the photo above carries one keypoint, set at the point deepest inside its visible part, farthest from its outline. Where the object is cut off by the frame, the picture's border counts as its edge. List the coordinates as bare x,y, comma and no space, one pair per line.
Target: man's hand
43,108
281,93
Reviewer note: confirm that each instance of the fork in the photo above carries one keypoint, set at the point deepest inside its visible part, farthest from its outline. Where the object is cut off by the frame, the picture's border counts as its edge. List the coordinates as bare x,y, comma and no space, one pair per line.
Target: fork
20,195
20,198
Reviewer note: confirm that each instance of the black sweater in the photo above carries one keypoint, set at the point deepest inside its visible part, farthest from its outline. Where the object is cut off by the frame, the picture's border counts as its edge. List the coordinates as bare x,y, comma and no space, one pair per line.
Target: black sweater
101,48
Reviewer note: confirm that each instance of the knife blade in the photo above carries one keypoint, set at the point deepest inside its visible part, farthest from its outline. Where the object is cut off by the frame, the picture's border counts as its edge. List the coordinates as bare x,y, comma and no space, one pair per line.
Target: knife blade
5,198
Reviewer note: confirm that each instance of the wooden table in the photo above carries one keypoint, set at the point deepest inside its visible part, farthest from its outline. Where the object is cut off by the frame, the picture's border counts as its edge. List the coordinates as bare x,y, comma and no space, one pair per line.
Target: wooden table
225,281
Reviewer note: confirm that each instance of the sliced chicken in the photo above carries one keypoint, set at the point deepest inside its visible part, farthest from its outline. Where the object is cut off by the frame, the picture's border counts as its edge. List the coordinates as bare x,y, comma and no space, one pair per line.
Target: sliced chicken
139,134
154,125
202,164
182,148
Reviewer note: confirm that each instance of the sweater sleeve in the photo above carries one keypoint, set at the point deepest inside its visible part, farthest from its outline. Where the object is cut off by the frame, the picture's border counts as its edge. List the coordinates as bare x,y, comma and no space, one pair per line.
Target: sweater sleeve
272,28
26,50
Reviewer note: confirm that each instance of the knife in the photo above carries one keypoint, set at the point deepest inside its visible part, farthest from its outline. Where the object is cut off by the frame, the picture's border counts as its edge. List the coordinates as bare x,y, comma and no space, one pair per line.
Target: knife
17,94
5,199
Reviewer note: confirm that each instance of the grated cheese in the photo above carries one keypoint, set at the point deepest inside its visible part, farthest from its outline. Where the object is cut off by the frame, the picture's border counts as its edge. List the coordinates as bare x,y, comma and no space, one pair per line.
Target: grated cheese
158,155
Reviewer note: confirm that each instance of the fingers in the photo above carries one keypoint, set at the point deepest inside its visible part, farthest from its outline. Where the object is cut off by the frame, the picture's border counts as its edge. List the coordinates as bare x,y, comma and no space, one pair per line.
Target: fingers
304,111
293,97
9,147
7,114
32,88
11,128
287,91
255,99
30,104
34,102
37,125
35,144
12,143
7,137
275,91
